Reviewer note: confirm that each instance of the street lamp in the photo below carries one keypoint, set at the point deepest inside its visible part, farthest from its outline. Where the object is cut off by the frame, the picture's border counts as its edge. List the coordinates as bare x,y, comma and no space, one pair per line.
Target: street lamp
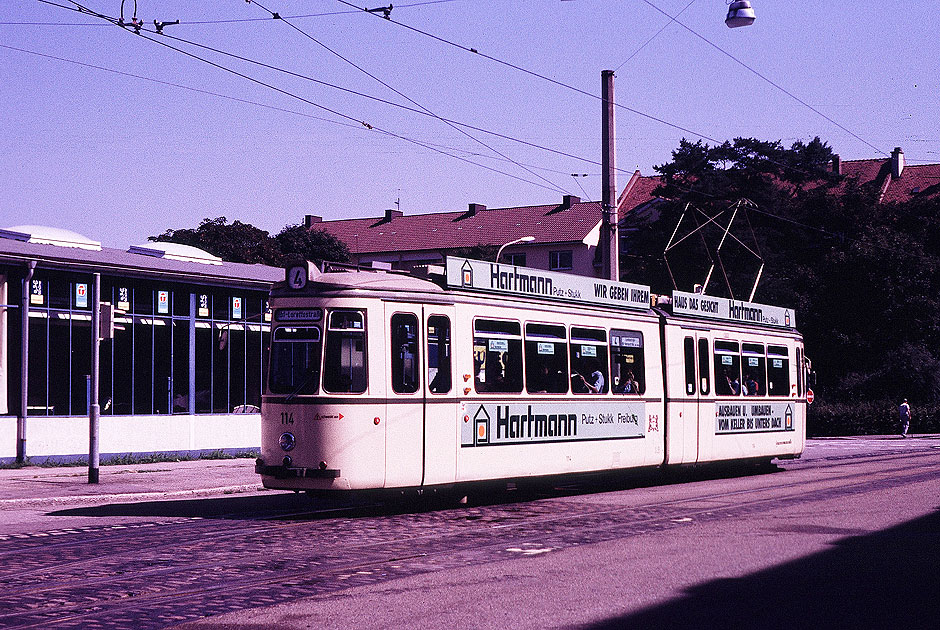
740,13
524,239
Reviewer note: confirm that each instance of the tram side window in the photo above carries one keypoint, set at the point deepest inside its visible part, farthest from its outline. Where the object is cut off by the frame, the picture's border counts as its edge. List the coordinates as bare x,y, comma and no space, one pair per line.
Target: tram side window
627,368
404,347
497,356
703,366
295,361
689,351
727,369
588,352
754,367
546,362
778,371
439,372
799,372
344,368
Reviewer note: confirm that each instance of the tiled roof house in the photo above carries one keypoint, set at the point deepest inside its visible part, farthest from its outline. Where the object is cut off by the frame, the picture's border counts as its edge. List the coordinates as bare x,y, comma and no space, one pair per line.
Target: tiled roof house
565,235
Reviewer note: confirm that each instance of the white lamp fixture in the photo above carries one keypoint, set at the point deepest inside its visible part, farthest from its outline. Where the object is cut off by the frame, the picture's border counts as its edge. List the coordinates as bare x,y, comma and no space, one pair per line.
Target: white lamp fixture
740,13
524,239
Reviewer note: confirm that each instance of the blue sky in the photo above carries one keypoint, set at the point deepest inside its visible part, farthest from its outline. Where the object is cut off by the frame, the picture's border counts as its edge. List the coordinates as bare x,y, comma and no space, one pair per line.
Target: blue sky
117,137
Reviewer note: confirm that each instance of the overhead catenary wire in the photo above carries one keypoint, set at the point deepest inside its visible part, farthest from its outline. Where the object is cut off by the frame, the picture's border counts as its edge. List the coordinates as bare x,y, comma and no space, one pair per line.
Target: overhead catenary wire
619,105
145,33
369,96
403,95
767,79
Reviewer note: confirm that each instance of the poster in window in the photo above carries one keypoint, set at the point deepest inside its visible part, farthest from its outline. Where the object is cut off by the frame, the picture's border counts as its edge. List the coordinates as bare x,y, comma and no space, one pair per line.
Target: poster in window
236,308
81,295
124,299
35,293
203,306
163,302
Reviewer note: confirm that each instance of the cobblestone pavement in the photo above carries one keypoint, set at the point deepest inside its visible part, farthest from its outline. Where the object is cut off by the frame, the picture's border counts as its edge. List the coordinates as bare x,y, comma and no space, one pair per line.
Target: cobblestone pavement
163,572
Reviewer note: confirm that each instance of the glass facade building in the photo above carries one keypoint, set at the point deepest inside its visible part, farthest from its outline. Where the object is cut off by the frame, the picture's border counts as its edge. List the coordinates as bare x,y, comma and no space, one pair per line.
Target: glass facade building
189,339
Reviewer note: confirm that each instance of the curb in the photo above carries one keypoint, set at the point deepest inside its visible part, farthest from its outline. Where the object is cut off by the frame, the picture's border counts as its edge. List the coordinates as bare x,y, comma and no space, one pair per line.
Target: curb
135,496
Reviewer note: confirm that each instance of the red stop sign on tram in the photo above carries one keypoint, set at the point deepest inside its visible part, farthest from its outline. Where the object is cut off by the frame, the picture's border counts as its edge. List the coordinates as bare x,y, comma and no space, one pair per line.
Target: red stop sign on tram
809,396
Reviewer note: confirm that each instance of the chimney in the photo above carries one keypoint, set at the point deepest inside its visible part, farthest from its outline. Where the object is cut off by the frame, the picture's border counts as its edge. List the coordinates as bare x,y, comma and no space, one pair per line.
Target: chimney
472,210
897,162
393,214
836,164
310,219
569,200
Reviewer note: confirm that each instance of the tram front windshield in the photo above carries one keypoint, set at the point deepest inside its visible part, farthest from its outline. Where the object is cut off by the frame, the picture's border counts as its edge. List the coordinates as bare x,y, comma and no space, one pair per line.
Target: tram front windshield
295,360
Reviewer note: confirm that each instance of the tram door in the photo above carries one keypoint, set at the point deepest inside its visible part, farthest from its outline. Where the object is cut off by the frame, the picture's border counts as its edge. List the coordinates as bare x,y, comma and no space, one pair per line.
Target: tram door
404,414
687,417
421,410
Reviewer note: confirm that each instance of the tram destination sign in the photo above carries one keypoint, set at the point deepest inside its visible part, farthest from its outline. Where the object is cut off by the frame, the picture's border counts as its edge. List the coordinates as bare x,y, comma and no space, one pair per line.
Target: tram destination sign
698,305
524,281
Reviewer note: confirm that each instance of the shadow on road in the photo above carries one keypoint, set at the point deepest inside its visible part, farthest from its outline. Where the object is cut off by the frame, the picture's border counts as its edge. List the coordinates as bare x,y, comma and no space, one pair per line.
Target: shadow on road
889,579
290,505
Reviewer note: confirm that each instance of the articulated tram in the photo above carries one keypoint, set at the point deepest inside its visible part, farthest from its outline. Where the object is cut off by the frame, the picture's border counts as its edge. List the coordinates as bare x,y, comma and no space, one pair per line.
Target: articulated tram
479,372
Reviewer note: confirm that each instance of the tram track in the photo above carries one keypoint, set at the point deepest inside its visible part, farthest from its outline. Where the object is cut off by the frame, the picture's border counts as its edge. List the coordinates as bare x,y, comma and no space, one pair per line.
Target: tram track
444,540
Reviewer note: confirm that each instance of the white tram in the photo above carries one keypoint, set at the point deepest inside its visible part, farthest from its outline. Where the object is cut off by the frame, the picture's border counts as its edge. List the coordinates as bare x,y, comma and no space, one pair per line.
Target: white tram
382,380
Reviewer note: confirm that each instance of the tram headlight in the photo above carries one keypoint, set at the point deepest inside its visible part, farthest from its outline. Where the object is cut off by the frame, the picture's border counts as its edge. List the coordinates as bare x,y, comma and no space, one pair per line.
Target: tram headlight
287,441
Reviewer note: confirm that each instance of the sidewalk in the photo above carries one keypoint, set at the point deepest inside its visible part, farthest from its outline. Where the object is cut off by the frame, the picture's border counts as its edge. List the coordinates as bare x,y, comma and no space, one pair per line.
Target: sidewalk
140,482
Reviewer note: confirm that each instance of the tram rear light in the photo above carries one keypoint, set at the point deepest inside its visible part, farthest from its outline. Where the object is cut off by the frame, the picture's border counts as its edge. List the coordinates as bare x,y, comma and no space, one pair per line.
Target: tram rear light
466,418
466,390
322,465
377,421
466,377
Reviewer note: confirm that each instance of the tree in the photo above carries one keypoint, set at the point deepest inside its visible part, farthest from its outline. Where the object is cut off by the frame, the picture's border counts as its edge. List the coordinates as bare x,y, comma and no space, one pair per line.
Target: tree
235,242
297,241
244,243
863,277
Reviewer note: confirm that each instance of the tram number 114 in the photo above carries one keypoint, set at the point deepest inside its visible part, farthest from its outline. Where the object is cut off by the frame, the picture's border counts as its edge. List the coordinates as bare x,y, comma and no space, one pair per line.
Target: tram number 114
287,417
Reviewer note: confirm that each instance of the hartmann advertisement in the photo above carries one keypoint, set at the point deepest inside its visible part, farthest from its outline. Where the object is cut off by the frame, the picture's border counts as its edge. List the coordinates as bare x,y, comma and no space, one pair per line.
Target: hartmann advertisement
493,424
525,281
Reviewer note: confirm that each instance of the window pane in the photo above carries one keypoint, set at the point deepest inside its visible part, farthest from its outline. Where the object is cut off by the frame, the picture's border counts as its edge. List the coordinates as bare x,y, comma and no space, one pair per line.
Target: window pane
203,361
236,383
404,348
162,365
689,348
546,361
295,361
81,366
59,360
497,356
727,369
38,346
753,365
253,365
344,368
703,366
778,371
588,352
439,370
143,365
627,368
123,366
181,366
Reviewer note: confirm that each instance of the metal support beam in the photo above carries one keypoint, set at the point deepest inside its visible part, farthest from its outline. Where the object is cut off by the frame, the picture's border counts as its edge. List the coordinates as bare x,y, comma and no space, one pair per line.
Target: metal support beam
24,365
609,236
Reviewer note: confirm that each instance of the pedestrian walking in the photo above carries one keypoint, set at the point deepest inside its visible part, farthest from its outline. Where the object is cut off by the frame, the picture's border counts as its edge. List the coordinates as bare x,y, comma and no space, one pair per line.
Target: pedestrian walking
904,411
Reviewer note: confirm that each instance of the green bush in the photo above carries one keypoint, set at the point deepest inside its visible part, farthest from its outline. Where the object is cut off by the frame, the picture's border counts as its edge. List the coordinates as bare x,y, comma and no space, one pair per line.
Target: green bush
868,418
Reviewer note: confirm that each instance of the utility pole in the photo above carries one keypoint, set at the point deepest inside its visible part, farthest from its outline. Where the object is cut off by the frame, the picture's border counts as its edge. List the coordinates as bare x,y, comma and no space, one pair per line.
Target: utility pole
94,410
609,236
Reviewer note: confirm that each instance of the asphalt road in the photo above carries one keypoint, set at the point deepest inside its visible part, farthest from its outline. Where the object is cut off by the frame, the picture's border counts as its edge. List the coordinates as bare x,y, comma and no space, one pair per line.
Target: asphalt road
849,536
